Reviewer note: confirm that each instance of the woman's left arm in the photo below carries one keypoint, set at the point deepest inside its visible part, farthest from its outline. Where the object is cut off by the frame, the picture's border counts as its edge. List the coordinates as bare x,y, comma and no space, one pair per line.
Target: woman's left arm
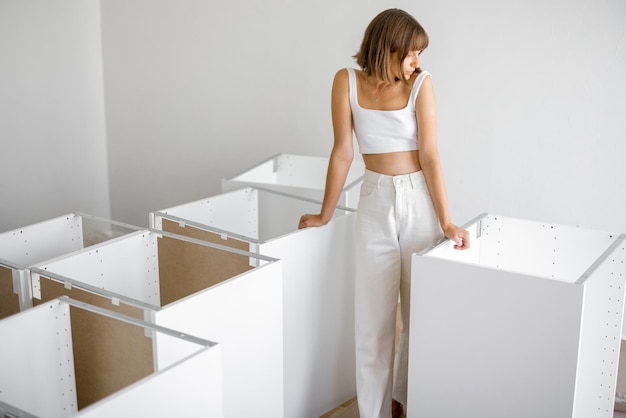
426,115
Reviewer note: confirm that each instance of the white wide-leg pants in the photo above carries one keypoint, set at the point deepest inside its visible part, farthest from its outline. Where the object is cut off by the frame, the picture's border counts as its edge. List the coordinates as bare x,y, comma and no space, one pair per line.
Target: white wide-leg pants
395,219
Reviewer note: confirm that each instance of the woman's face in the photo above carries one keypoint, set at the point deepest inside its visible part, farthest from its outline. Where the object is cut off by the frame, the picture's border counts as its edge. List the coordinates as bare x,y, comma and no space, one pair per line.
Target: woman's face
410,63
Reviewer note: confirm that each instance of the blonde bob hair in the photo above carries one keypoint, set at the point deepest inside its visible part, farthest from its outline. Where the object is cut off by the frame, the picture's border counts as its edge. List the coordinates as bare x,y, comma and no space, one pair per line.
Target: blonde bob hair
388,39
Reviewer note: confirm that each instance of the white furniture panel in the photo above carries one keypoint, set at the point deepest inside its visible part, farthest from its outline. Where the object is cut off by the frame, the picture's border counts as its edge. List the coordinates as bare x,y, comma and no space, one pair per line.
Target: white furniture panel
298,175
38,362
318,269
176,391
319,316
527,321
58,236
43,240
36,243
110,267
232,295
246,314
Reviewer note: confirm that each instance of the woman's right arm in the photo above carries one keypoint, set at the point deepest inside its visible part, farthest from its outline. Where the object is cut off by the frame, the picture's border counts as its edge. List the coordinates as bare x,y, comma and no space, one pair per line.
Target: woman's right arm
341,155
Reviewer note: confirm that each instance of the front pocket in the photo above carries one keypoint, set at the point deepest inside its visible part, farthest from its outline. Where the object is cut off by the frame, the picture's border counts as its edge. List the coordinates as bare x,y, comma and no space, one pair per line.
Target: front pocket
367,189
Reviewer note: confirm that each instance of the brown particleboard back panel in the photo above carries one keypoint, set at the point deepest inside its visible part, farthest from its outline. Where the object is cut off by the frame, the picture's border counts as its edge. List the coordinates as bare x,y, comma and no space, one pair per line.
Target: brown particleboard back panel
186,268
108,354
9,300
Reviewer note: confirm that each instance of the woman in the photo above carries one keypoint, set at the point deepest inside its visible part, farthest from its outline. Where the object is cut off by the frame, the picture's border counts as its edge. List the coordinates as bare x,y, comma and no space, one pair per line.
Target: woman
390,106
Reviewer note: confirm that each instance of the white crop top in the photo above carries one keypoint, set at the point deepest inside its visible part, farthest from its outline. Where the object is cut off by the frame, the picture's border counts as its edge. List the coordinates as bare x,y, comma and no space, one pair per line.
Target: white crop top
383,131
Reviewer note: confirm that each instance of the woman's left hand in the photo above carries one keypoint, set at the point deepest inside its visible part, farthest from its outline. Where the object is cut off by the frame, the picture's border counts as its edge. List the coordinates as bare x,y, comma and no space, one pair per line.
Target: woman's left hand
459,236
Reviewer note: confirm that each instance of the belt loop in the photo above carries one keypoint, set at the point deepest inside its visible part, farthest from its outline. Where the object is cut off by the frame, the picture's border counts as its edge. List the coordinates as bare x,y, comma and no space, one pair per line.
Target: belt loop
379,180
412,179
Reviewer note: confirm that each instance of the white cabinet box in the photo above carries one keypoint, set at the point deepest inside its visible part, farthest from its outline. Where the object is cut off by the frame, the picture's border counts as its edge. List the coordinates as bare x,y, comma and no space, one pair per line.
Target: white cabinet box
298,175
41,241
47,354
318,270
525,323
195,287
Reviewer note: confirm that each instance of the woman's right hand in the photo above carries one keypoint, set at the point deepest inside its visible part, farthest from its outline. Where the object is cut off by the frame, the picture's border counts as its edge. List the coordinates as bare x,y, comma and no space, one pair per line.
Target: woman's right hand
310,220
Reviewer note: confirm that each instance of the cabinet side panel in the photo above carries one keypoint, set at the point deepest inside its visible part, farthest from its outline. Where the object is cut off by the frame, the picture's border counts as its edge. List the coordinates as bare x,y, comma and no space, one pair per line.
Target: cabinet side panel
484,337
601,337
37,363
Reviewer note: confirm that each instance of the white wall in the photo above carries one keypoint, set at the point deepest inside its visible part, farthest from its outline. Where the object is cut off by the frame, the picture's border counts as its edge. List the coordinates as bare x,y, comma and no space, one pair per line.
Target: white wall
52,124
531,98
199,90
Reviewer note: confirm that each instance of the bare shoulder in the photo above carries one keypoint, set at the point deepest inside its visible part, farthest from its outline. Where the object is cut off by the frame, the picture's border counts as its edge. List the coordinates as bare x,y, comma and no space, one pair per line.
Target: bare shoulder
425,102
426,89
341,83
426,77
341,76
340,106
